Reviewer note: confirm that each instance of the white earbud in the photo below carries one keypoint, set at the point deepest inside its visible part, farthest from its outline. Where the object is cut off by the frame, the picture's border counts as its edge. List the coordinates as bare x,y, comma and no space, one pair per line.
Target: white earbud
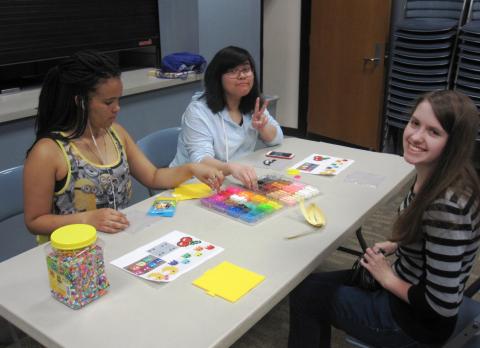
104,161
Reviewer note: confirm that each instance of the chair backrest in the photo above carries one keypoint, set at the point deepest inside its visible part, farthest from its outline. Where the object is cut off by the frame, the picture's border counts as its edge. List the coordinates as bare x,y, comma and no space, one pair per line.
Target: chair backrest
448,9
474,13
160,147
466,334
11,192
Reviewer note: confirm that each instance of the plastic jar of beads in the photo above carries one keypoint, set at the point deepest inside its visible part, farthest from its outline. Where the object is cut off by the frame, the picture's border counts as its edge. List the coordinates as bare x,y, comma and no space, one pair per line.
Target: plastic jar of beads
76,269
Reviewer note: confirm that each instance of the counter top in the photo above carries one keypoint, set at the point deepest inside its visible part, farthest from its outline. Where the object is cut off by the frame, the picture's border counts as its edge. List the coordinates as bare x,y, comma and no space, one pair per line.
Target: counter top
23,104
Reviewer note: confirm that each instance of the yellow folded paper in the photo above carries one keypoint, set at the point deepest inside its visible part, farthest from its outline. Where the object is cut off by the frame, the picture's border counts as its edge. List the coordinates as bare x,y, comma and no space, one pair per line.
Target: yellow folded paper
293,171
192,191
228,281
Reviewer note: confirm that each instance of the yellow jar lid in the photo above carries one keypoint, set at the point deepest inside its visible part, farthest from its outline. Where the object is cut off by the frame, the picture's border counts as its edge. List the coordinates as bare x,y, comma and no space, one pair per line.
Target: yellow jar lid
75,236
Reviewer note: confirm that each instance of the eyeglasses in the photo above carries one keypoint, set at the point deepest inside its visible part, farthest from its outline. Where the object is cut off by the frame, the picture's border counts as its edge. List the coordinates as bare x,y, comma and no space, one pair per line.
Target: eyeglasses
235,73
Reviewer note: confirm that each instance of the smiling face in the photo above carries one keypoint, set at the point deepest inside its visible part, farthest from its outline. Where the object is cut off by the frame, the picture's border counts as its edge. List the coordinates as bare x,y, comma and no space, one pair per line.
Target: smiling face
104,104
424,138
238,82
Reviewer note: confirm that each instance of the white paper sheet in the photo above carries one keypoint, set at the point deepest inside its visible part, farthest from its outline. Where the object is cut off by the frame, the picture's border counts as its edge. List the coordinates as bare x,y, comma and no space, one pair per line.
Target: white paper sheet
168,257
322,164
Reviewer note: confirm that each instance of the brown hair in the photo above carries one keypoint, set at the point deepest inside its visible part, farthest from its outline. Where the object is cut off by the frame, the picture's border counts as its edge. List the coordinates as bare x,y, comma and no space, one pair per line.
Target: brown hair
459,117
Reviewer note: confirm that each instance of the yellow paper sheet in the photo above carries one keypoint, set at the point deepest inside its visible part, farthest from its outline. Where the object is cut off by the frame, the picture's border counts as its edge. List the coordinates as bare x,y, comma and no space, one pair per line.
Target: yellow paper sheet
192,191
228,281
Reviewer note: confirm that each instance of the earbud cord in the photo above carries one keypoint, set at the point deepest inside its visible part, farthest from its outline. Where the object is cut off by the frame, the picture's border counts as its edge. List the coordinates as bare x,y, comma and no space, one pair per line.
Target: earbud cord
103,162
226,139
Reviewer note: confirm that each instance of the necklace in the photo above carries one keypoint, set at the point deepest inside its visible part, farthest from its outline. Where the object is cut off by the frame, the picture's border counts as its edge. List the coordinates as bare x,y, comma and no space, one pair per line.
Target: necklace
94,149
103,161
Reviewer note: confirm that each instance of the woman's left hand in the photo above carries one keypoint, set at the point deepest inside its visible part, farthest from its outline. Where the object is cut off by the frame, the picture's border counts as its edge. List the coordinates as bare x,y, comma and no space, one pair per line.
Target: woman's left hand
378,266
245,173
259,119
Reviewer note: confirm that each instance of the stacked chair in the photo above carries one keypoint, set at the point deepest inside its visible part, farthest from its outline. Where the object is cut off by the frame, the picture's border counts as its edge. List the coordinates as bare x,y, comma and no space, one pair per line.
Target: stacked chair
467,77
421,55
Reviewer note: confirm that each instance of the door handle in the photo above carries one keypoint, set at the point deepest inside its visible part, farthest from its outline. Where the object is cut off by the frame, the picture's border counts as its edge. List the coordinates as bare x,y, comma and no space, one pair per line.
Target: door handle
373,60
376,59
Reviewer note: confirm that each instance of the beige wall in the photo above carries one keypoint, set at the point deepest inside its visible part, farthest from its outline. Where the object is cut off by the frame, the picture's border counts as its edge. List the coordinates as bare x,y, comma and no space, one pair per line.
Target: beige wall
281,57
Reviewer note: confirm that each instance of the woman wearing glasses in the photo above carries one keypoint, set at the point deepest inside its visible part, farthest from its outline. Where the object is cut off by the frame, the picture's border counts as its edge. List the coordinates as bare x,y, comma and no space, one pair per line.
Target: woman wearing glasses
223,123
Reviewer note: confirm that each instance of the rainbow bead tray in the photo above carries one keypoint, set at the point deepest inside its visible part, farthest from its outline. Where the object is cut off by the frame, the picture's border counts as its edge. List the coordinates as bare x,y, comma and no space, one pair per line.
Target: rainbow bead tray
286,190
274,192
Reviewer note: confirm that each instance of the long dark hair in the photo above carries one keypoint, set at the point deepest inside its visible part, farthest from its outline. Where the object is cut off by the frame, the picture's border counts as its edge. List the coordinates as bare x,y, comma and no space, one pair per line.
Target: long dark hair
225,59
63,101
459,117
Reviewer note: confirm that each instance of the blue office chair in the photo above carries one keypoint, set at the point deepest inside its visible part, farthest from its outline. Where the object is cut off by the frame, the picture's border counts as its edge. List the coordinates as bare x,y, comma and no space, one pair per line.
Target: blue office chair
11,191
11,204
160,147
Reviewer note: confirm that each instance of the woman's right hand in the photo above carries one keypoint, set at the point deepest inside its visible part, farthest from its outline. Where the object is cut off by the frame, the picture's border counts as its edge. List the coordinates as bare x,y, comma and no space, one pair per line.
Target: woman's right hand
208,175
106,220
388,247
246,174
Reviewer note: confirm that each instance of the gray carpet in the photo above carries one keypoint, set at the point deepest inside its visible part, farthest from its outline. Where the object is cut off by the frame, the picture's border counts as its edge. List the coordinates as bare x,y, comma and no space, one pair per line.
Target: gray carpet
272,330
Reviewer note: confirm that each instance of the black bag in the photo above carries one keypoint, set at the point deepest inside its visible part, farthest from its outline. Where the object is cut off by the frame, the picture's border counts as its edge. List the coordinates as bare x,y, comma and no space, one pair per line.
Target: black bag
361,277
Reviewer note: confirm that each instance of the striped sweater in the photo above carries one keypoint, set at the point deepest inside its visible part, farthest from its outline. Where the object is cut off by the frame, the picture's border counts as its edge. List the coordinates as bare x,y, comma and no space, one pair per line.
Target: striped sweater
438,267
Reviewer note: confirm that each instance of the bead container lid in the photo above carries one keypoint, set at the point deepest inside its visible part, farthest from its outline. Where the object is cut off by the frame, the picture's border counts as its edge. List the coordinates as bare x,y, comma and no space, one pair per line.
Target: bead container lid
75,236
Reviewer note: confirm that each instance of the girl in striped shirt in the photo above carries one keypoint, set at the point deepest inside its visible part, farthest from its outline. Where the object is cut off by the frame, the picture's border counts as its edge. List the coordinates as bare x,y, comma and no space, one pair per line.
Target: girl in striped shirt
435,238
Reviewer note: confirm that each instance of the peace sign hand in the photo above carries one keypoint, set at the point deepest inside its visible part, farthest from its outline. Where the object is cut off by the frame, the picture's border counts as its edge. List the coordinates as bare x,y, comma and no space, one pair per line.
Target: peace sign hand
259,119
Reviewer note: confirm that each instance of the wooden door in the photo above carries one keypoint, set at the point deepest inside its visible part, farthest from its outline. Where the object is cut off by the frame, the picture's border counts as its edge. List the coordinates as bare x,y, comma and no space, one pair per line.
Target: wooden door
346,83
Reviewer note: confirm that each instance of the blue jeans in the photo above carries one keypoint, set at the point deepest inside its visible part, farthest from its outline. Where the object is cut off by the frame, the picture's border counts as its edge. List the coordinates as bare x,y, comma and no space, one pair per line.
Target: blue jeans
322,300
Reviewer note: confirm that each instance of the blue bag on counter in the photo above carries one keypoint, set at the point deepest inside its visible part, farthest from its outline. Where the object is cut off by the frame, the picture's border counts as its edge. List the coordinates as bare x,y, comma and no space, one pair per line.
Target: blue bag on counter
183,61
